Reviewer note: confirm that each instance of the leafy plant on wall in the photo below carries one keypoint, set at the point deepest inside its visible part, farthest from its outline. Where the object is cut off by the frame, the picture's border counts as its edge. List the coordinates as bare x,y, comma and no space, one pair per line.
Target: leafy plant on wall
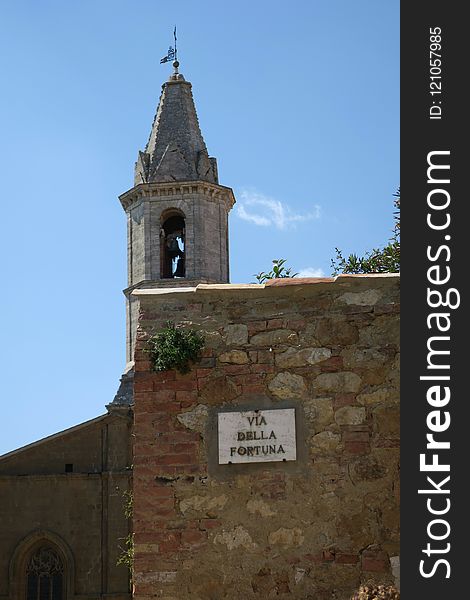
174,348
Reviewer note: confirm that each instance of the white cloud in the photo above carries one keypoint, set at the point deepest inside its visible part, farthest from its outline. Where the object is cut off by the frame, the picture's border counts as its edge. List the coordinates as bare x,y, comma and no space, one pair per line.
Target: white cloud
256,219
311,272
265,211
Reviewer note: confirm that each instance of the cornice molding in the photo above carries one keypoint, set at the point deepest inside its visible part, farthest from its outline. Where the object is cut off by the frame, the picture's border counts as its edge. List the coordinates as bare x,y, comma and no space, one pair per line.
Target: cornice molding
158,191
181,284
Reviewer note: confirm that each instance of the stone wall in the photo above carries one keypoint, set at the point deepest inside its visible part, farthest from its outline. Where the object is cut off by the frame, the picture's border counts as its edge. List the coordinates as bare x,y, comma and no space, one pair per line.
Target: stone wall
311,528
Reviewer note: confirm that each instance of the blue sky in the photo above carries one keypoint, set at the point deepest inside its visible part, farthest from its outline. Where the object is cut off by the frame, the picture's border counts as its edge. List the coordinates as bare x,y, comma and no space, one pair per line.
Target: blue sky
298,101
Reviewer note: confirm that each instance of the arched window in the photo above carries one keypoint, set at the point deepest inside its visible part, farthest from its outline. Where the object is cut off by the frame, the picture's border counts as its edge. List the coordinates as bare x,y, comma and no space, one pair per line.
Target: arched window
42,568
172,245
45,575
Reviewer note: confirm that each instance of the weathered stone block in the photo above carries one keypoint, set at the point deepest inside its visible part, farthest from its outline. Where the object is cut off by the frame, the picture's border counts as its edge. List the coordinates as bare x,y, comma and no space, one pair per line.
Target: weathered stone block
319,412
387,421
376,397
326,441
365,298
287,385
369,358
345,381
203,504
350,415
236,335
259,507
213,339
293,357
395,565
218,390
383,331
274,338
368,468
235,538
335,332
195,419
286,537
236,357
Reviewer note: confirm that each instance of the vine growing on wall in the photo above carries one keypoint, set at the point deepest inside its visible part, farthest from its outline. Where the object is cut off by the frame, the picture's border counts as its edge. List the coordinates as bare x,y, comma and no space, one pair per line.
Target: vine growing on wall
126,557
174,348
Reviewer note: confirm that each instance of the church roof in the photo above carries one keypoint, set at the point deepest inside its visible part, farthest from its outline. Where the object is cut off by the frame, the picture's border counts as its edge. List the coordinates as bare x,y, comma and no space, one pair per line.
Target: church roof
59,434
176,150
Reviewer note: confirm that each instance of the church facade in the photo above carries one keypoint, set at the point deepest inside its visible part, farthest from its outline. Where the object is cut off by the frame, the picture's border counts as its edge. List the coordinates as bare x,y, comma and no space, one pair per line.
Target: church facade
62,516
269,470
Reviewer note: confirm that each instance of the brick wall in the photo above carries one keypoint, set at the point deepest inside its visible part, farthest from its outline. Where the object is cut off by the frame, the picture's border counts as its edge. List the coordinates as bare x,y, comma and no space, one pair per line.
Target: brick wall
312,528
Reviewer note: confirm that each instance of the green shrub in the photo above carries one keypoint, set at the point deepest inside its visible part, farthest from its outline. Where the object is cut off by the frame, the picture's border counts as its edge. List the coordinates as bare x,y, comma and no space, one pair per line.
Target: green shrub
174,348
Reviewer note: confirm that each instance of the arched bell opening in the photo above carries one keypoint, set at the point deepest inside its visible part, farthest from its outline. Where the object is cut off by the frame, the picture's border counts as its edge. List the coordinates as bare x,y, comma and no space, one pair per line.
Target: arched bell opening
172,245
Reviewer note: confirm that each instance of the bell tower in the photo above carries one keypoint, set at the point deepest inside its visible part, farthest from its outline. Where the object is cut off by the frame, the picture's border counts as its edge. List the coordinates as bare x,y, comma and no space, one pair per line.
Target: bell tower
177,212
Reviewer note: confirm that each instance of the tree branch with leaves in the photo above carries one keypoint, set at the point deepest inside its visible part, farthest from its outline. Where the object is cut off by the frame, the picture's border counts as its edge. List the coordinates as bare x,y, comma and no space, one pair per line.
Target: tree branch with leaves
378,260
279,271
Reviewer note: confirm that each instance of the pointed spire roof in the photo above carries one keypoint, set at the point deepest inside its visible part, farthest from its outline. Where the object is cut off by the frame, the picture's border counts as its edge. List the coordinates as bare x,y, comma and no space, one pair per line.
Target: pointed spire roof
176,150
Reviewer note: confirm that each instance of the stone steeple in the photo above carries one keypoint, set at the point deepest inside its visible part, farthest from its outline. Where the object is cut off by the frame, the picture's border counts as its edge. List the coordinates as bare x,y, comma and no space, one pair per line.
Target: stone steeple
177,212
176,150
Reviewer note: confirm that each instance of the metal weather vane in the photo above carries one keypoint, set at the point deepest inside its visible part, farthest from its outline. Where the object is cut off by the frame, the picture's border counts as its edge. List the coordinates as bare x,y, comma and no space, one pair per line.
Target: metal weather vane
172,52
